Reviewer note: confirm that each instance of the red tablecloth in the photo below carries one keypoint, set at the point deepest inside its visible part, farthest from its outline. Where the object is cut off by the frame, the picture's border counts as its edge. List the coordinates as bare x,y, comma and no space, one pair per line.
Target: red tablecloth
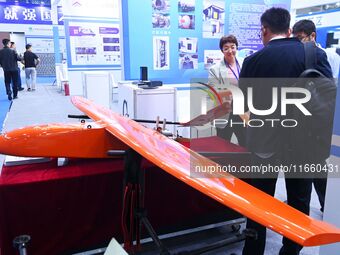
78,206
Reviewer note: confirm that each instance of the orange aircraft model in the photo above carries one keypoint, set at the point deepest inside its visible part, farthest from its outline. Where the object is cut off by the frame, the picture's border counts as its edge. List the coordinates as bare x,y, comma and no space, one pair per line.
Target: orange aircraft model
113,132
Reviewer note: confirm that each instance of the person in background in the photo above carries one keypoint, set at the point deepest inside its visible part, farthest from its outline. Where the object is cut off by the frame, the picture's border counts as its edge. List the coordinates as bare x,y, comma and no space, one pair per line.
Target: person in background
31,61
305,31
13,47
9,62
281,58
227,72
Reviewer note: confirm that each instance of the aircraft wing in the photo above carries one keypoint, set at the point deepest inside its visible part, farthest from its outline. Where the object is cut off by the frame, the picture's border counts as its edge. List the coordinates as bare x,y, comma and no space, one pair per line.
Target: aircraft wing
214,113
180,162
217,112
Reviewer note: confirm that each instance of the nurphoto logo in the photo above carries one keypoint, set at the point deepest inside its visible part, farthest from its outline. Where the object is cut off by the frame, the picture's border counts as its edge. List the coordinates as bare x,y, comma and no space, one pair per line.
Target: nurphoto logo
239,99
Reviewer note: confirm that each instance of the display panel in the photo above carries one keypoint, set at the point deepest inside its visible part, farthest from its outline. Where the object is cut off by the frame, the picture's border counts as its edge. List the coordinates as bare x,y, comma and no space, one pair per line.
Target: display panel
179,39
93,44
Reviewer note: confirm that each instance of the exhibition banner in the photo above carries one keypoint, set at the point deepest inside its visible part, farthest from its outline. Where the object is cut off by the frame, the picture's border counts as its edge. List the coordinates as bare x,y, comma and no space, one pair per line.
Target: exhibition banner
27,14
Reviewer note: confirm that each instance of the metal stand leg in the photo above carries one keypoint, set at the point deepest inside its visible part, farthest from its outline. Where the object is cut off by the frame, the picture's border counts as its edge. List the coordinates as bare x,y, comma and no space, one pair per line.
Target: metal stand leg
144,220
20,243
134,213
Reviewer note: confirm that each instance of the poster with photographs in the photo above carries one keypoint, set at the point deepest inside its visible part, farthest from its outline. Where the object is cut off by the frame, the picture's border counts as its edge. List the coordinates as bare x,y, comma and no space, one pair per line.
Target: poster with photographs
161,54
186,6
212,57
188,58
187,45
213,18
188,61
161,20
186,21
161,14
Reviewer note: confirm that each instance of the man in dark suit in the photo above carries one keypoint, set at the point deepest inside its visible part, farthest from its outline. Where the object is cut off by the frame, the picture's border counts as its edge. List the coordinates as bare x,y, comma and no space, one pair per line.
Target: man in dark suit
282,57
14,47
9,63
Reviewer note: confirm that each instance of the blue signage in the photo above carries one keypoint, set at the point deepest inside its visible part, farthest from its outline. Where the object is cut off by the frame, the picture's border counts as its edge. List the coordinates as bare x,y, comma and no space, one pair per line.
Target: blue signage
29,14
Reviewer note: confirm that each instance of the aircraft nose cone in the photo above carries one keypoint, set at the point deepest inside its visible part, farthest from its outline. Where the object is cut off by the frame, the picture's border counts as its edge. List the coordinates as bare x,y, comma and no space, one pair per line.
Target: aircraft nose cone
4,145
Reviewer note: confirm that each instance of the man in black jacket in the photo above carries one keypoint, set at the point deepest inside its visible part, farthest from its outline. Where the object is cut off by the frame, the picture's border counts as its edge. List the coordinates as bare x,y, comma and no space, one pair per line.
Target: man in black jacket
13,47
282,59
305,31
9,63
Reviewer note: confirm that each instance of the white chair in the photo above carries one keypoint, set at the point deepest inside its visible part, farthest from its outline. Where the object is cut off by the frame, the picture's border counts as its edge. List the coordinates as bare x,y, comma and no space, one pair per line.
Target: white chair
61,75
